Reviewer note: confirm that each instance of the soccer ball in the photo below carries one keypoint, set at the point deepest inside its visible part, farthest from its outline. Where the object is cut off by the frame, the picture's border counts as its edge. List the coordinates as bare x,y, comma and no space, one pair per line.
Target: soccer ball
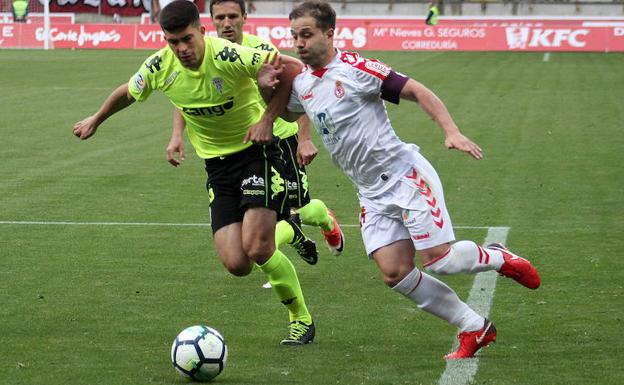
199,352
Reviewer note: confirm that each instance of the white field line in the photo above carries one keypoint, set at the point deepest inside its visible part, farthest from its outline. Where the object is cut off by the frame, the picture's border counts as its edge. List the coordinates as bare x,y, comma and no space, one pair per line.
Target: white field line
546,57
163,224
462,372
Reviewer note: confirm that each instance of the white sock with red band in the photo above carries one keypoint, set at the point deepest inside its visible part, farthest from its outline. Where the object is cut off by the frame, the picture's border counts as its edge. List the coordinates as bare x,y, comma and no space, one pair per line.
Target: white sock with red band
435,297
466,257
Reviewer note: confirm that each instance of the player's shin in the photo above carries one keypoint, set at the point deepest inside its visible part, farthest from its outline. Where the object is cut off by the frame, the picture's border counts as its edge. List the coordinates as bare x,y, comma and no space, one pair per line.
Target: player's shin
284,233
283,278
465,257
435,297
315,214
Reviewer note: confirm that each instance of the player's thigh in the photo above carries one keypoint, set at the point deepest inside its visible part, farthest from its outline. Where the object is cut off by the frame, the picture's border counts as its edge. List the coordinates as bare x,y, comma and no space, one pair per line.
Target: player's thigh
297,179
395,261
224,193
380,223
230,249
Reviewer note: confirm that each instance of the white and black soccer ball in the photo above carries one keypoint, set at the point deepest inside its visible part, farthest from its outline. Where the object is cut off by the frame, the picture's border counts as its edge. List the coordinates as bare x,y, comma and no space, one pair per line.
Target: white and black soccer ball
199,352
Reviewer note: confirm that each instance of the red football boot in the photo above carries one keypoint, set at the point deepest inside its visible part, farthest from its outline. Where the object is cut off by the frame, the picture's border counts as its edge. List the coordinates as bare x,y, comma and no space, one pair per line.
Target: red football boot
471,342
334,238
517,268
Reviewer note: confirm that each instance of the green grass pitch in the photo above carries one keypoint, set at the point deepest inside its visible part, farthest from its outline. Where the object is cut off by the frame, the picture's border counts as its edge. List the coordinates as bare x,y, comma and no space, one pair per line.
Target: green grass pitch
95,304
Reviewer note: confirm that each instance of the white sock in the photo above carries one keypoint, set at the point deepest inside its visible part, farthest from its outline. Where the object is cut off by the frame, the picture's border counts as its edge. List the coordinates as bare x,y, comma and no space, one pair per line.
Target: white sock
466,257
433,296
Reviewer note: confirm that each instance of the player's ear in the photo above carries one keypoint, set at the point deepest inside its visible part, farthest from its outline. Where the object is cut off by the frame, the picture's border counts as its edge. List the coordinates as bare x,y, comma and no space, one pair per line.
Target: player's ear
330,33
202,29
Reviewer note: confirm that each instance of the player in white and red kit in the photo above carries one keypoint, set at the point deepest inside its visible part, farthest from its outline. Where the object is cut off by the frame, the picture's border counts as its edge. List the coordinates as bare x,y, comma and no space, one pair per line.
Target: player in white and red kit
403,208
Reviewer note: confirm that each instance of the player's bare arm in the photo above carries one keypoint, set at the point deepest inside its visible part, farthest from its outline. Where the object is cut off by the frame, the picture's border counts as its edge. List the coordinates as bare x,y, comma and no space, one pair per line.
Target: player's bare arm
306,150
119,99
272,73
176,143
435,108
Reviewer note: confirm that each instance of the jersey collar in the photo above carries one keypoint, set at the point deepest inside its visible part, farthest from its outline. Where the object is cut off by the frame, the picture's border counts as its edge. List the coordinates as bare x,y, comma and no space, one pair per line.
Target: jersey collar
321,71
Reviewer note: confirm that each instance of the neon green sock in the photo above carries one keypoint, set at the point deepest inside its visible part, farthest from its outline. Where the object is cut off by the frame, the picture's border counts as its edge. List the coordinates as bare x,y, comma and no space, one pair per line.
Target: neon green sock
315,214
283,277
284,233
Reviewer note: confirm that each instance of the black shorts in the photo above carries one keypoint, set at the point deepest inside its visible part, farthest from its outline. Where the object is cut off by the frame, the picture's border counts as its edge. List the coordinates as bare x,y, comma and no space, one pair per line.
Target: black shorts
253,177
298,190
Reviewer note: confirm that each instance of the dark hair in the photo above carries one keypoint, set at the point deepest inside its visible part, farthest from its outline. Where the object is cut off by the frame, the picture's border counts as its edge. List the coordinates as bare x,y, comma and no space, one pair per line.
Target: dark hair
241,4
178,15
321,11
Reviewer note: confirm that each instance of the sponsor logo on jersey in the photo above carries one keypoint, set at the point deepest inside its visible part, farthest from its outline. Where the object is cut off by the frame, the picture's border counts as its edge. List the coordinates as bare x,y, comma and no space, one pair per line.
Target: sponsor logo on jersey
229,54
139,82
255,59
153,64
217,110
378,67
265,47
308,96
171,78
218,84
339,91
324,125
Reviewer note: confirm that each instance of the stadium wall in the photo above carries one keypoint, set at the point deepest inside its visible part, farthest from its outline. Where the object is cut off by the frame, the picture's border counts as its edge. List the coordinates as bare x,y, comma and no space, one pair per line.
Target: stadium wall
352,33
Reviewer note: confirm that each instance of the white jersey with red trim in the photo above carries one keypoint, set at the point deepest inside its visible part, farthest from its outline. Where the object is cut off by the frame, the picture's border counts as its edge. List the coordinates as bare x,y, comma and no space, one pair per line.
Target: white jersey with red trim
343,100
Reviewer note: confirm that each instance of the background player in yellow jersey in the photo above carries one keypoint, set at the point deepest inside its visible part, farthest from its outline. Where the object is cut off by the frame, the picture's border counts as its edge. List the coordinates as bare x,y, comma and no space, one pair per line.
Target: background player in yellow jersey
228,17
212,82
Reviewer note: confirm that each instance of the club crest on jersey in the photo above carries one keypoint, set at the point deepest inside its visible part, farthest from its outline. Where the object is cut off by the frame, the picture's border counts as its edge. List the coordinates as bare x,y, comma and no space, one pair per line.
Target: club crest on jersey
139,82
218,84
339,90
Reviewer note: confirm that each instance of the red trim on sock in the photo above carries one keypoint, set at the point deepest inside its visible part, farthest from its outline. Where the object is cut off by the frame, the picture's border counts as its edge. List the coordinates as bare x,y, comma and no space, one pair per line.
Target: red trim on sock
417,283
482,253
437,258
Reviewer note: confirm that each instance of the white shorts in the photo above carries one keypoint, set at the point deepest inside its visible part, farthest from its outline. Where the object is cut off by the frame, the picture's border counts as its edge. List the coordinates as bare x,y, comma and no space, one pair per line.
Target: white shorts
413,208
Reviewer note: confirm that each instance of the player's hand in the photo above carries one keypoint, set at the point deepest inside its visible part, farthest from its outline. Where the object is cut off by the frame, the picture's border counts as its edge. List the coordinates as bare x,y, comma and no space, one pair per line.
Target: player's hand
176,146
460,142
269,72
260,133
306,152
85,128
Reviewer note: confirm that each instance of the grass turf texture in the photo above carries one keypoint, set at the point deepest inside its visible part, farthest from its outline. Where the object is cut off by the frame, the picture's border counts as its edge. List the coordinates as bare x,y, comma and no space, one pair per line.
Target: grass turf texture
102,304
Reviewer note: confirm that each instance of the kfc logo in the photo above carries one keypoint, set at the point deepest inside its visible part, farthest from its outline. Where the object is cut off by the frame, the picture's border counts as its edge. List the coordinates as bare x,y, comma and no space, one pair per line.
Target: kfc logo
525,37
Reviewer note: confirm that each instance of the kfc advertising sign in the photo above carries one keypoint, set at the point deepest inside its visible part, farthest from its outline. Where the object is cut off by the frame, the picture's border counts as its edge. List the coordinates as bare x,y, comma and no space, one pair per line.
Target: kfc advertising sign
353,34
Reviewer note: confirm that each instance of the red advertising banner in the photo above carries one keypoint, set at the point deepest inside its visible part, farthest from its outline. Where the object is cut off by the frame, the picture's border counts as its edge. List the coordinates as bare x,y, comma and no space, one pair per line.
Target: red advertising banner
350,34
108,7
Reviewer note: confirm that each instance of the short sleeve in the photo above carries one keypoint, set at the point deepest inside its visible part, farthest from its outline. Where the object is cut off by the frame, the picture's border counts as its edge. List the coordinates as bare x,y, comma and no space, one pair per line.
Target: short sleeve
143,82
237,60
294,105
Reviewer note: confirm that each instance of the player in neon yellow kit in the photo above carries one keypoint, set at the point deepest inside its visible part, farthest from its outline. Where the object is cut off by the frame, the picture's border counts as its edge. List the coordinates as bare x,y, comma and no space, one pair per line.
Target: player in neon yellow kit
212,83
228,17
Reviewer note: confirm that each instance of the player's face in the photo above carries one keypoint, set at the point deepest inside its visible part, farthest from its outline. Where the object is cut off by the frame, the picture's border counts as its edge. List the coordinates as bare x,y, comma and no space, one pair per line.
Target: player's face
314,47
188,45
228,20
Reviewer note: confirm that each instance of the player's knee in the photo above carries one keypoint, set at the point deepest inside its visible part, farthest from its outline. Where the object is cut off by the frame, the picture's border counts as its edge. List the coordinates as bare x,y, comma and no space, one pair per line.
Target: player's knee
393,277
238,269
259,250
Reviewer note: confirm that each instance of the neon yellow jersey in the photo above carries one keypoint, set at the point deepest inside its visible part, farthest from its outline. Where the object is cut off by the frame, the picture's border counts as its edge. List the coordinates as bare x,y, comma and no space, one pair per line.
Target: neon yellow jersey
219,101
281,128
